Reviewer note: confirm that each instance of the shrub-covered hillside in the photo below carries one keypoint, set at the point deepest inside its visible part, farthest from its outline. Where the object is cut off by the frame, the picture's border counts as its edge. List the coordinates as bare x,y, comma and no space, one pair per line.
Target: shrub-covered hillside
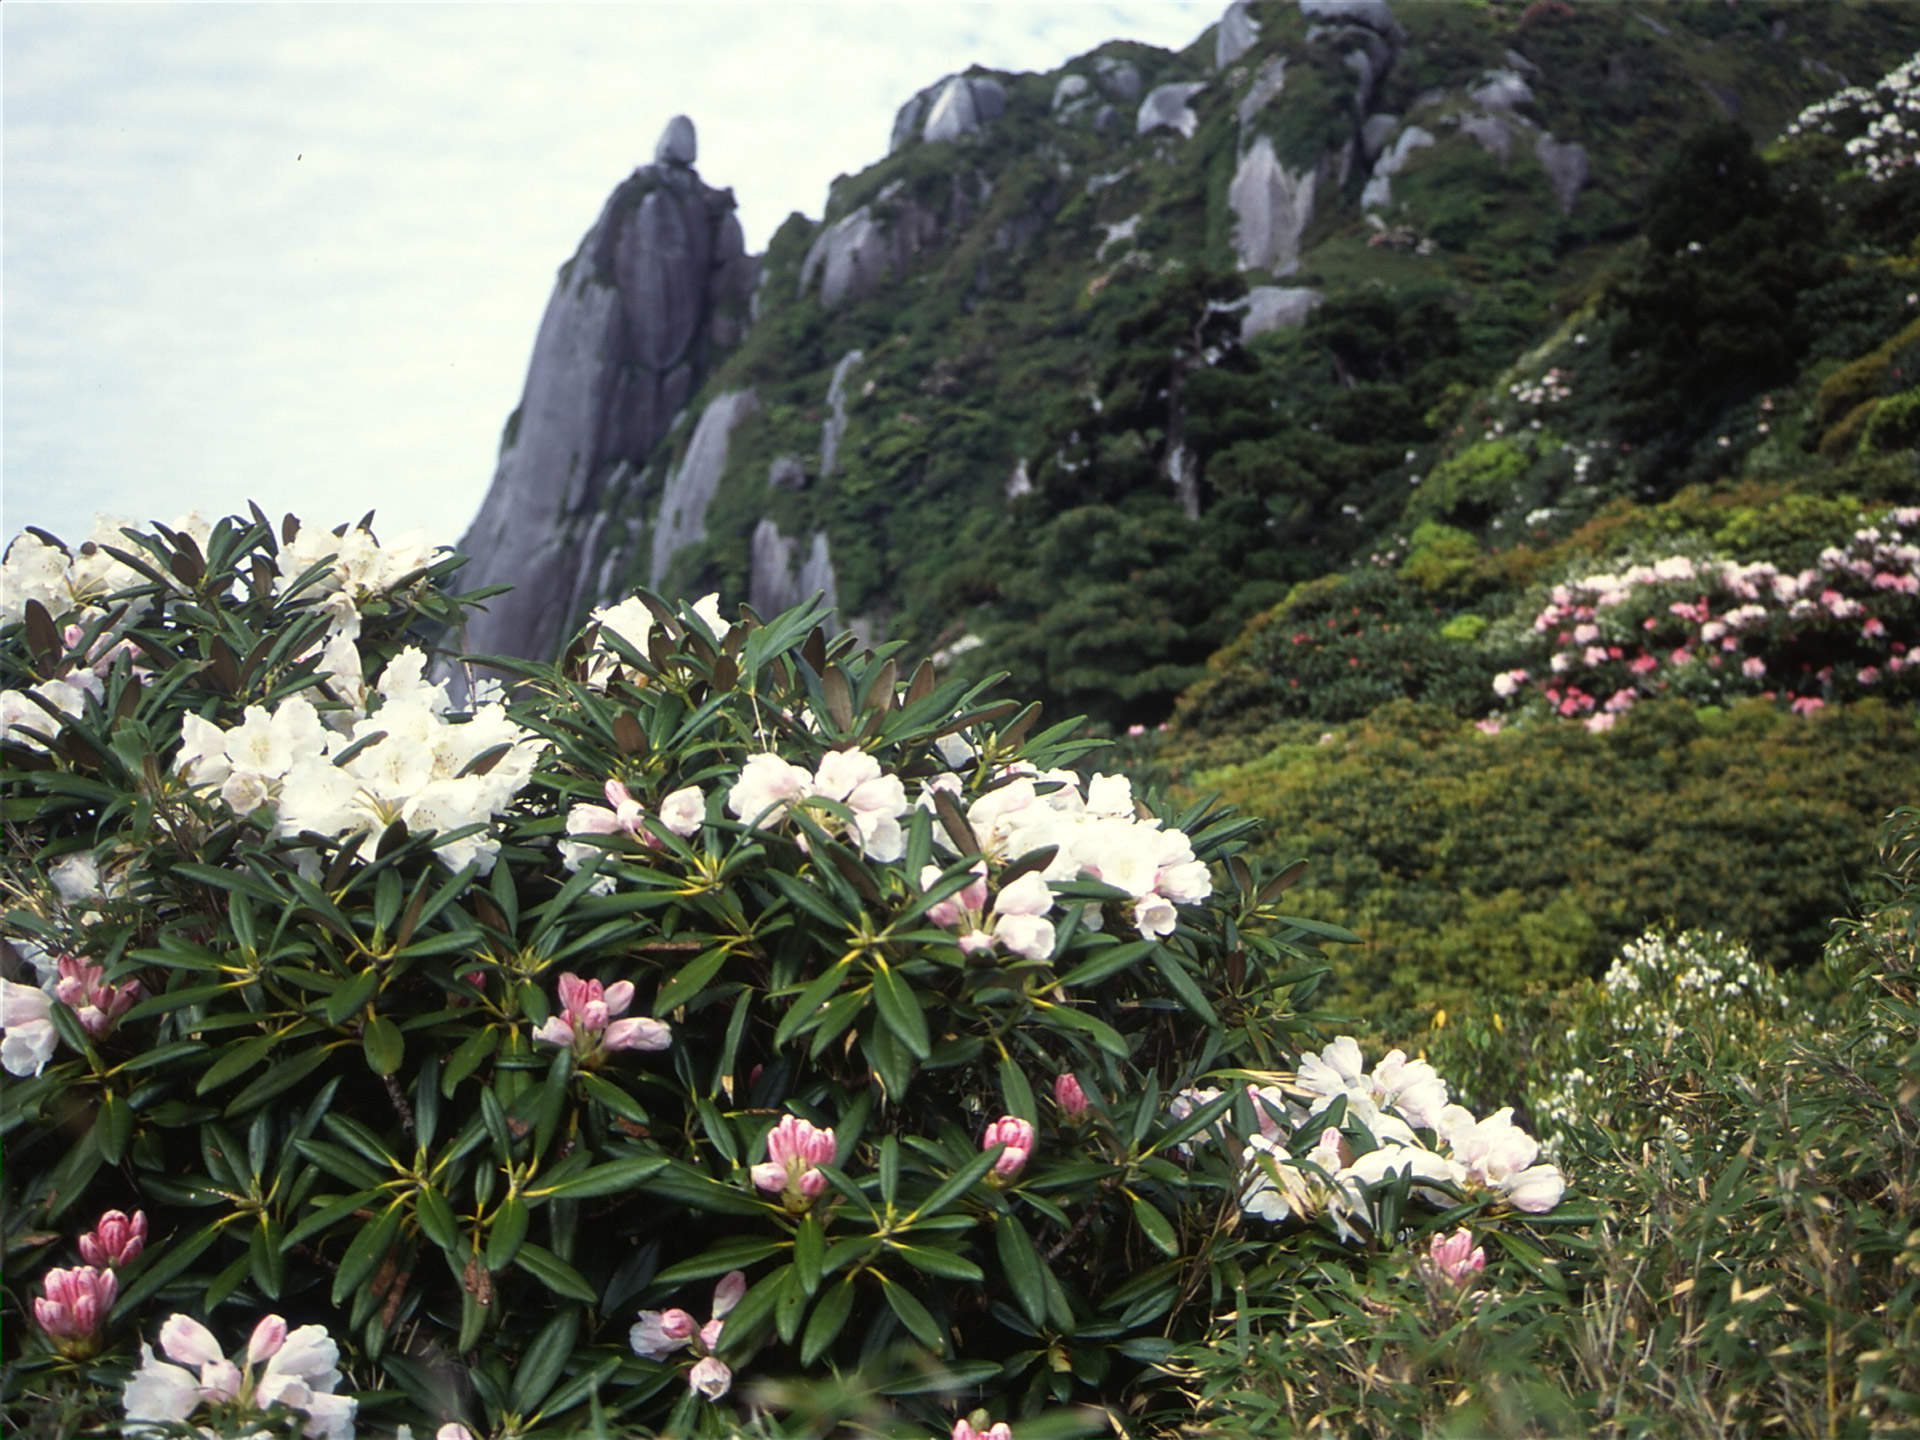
1061,426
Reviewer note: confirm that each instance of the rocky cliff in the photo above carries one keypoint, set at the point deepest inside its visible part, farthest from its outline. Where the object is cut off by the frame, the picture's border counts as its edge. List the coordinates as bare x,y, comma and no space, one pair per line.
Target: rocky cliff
656,292
1093,365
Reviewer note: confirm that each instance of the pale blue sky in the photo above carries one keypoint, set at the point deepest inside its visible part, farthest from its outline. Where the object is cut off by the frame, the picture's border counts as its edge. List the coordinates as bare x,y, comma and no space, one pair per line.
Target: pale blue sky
297,253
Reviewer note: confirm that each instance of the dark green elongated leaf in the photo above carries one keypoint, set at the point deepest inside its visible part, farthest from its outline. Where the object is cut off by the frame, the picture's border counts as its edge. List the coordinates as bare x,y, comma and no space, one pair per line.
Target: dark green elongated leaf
164,1268
956,1184
113,1127
734,1254
1284,881
539,1368
363,1139
507,1232
818,991
384,1044
811,900
280,1077
1155,1226
920,1324
789,1306
756,1306
329,1215
900,1010
236,1057
554,1273
1021,1264
616,1177
266,1261
935,1261
581,1386
1108,960
1101,1033
369,1247
1320,928
960,1376
169,1000
353,996
809,1252
688,1187
1016,1092
689,980
889,1168
467,1058
1182,984
828,1319
436,1219
613,1097
843,1253
1199,1119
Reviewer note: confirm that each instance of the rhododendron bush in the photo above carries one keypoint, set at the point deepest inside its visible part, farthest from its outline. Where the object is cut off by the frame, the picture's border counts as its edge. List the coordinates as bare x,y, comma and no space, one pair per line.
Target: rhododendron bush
512,1046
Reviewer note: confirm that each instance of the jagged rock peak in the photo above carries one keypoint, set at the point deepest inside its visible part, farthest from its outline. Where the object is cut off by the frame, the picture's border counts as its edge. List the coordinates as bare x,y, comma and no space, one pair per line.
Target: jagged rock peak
659,285
677,144
1236,34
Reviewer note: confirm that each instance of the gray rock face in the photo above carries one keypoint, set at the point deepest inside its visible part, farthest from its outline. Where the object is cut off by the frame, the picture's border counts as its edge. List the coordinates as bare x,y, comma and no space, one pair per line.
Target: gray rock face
857,254
835,428
1274,307
1236,34
787,472
959,105
776,582
1271,80
682,520
1019,482
1566,166
677,144
1070,88
630,329
1376,15
1490,132
1373,135
1503,90
1165,108
1271,208
1119,78
1379,188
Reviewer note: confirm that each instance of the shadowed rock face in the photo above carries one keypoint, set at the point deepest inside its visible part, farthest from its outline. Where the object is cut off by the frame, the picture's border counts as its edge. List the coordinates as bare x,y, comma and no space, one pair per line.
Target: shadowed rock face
655,289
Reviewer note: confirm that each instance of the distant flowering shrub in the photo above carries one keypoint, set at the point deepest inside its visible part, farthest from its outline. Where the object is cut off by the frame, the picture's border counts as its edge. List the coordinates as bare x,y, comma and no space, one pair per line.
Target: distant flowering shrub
1711,629
492,1034
1880,124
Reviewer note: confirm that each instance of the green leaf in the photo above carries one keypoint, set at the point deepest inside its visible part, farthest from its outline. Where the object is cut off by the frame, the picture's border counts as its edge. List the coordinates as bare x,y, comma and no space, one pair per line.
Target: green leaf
900,1010
341,1163
613,1097
236,1057
809,1251
436,1219
936,1261
507,1232
1109,960
616,1177
1016,1093
1155,1226
688,981
889,1168
1021,1263
281,1077
113,1127
1102,1034
554,1273
735,1254
369,1247
169,1264
915,1317
1182,984
955,1185
828,1319
384,1044
539,1368
353,996
467,1058
818,991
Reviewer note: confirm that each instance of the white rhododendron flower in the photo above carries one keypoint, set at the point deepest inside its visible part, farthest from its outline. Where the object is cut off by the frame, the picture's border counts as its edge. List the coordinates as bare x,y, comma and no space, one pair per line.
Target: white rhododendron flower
770,787
301,1370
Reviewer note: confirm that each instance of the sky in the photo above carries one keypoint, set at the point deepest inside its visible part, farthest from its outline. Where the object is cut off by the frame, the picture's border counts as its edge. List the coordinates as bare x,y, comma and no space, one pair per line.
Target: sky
298,253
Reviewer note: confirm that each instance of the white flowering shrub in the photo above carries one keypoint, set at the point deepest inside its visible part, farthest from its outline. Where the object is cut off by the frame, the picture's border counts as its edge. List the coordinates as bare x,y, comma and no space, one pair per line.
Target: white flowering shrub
1879,124
1712,630
717,1006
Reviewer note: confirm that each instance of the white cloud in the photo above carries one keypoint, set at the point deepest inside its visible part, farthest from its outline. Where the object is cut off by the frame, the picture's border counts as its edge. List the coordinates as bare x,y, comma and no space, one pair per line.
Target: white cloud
298,252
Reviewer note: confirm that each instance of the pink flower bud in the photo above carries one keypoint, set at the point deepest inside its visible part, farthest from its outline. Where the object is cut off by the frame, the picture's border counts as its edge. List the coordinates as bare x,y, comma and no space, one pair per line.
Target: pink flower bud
710,1334
619,996
1453,1259
678,1324
1017,1136
268,1336
727,1293
1068,1095
114,1240
710,1378
637,1033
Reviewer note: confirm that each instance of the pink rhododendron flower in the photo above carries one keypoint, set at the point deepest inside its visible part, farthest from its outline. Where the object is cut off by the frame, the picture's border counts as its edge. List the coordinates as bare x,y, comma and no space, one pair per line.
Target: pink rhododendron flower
587,1026
1868,675
710,1378
1453,1260
72,1308
1017,1135
1068,1095
1806,704
963,1430
1753,667
659,1333
794,1148
115,1239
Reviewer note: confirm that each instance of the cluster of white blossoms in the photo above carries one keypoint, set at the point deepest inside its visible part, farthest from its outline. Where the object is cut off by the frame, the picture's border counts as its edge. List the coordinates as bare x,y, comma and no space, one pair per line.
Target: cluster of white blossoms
1098,835
403,761
359,569
1392,1105
633,622
1882,123
78,581
770,788
299,1369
